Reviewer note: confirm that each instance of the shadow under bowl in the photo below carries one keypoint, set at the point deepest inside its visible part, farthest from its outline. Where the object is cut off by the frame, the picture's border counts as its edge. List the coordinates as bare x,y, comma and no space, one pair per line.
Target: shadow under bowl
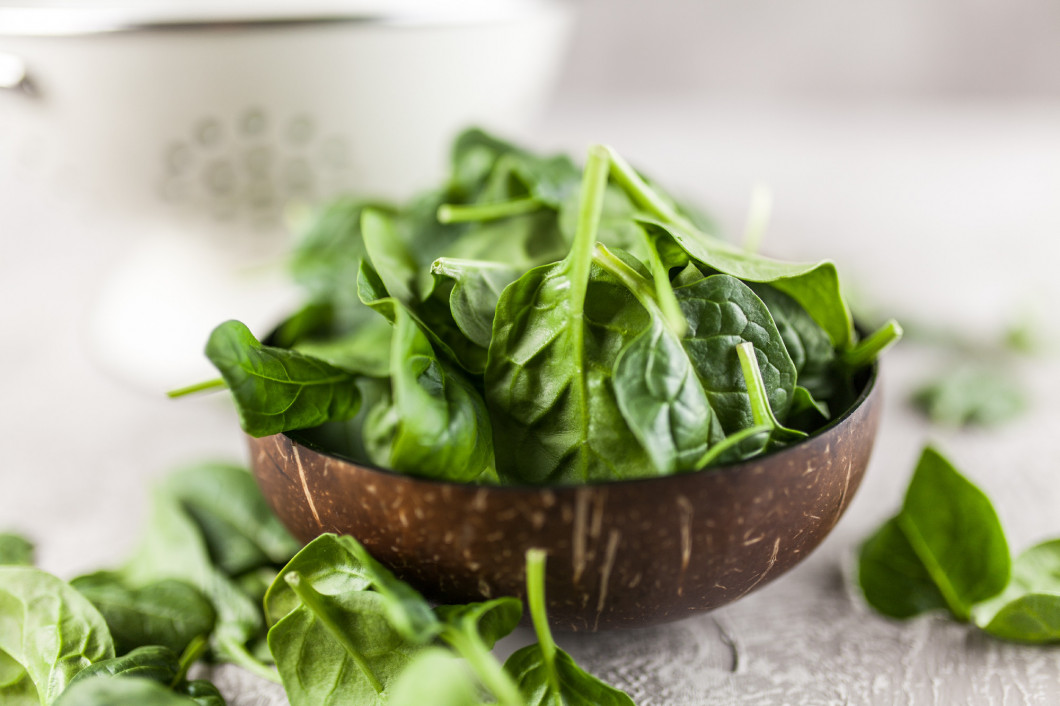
621,554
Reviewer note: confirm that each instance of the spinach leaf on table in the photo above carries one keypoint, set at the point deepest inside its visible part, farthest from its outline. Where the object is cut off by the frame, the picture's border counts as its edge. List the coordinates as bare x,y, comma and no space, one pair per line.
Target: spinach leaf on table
334,564
276,389
473,629
168,613
436,677
173,547
972,395
240,529
15,550
546,674
48,633
945,549
551,356
342,625
105,691
1028,610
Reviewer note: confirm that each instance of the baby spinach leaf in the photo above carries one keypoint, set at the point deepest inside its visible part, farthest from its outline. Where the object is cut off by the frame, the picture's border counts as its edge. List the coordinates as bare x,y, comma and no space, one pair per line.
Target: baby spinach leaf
475,287
15,550
365,350
807,343
972,396
434,423
48,633
550,361
546,674
104,691
444,335
723,312
391,258
1028,610
335,564
473,629
172,547
240,529
814,286
154,662
167,613
656,386
945,548
338,648
275,389
200,691
435,677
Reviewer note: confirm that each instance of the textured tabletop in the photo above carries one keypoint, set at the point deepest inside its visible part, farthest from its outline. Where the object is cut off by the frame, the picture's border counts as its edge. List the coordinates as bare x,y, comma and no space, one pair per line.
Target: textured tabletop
943,214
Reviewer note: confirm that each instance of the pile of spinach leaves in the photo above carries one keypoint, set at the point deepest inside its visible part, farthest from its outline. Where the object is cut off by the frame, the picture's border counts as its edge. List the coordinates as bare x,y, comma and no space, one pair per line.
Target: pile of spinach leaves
192,590
530,322
217,578
945,550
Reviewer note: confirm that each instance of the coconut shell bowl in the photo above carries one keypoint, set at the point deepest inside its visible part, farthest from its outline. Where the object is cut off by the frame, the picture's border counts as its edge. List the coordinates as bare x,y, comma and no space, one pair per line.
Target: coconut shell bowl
621,554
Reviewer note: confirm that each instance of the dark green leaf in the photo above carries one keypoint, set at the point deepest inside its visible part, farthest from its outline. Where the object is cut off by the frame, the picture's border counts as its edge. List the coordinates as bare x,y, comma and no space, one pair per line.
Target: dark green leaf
201,692
48,633
15,550
552,354
723,312
276,389
814,286
807,343
656,386
168,613
948,527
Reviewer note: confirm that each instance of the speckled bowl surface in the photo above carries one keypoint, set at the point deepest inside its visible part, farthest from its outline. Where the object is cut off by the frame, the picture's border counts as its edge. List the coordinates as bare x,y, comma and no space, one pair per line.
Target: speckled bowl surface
621,554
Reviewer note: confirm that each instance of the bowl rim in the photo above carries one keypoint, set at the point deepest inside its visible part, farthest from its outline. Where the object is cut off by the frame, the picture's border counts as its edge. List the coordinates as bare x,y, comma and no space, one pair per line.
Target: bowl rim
870,386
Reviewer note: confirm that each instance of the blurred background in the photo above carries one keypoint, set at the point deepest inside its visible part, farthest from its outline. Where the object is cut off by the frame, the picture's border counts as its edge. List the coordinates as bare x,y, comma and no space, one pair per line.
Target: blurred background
152,155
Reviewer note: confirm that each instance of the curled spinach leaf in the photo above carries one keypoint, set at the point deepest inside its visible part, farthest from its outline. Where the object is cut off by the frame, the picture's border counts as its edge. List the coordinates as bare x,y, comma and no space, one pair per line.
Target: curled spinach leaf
276,389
